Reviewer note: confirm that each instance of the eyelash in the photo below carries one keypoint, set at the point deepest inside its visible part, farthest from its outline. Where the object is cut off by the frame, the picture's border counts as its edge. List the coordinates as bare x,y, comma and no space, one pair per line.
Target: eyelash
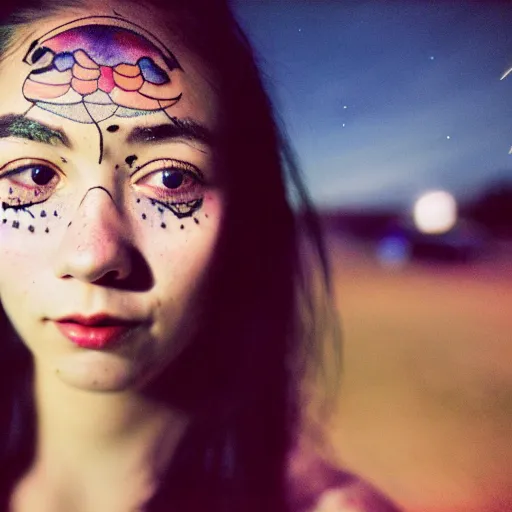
18,194
192,181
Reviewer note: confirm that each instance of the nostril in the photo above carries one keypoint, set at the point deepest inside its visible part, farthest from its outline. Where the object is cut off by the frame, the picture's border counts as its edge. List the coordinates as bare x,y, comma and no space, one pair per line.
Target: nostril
112,276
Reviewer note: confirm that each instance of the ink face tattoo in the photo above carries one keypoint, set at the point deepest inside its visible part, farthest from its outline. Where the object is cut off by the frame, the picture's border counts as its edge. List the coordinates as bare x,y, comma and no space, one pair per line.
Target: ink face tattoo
89,71
107,170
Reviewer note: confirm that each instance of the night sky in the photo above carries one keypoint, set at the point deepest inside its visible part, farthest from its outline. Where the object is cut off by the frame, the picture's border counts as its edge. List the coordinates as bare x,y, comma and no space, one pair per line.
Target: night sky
386,99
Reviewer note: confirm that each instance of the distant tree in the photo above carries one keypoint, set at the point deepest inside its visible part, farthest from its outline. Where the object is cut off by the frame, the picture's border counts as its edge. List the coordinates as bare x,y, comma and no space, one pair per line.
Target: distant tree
493,208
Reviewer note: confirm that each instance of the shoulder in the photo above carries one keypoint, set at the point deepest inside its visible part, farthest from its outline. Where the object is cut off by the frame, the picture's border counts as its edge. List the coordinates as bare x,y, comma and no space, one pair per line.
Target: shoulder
317,486
355,497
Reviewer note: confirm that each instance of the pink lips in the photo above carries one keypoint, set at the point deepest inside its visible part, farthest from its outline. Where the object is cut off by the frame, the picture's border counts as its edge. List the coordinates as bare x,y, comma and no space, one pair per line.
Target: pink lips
95,332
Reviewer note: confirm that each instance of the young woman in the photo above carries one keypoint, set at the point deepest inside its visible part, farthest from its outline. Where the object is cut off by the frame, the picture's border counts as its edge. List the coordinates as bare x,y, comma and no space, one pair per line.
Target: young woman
157,313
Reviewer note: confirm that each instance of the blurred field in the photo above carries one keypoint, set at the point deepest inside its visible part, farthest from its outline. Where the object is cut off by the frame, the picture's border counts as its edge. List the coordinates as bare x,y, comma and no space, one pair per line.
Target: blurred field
425,408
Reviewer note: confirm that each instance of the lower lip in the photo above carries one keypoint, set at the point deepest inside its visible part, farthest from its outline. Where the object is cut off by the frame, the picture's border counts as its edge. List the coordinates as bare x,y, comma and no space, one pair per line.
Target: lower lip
92,337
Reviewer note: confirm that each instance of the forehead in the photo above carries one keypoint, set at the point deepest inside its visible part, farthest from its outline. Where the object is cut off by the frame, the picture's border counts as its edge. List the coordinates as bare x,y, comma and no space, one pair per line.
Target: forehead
91,65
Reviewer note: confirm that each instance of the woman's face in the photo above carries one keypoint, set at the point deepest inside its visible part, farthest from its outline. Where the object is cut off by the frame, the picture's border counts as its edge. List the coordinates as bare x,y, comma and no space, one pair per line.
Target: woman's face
110,206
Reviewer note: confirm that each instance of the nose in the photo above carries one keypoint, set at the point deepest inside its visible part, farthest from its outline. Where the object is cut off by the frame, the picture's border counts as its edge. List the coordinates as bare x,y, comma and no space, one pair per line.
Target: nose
95,246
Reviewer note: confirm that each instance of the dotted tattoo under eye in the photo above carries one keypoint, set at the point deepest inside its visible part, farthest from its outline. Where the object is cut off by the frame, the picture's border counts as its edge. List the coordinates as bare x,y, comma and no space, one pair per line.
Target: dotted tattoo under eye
163,225
182,227
15,224
138,200
46,230
43,213
144,216
55,214
196,220
31,229
160,209
4,221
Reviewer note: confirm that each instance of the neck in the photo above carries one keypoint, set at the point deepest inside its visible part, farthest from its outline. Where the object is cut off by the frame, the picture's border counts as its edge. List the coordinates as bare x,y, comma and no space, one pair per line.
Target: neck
101,444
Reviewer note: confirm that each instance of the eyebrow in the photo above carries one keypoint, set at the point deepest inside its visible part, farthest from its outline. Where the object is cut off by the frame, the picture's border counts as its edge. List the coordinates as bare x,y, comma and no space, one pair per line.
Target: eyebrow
13,125
186,129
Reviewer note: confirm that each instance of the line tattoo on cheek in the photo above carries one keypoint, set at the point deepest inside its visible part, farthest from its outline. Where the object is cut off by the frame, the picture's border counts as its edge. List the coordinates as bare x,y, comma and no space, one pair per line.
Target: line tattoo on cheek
97,67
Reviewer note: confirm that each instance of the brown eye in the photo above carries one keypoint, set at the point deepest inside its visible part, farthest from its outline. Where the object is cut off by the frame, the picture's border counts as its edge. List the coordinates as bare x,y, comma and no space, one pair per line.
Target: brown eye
170,181
32,182
42,174
172,178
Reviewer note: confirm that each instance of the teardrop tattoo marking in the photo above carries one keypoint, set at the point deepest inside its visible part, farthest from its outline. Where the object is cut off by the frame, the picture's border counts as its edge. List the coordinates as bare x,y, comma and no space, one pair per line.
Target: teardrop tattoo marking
130,160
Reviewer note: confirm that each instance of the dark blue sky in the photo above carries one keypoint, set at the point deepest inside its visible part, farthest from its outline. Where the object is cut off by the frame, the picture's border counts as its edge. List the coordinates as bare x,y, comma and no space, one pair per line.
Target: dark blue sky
384,99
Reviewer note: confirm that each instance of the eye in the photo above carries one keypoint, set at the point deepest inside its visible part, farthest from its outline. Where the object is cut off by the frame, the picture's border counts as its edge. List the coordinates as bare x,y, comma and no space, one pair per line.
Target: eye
170,181
27,182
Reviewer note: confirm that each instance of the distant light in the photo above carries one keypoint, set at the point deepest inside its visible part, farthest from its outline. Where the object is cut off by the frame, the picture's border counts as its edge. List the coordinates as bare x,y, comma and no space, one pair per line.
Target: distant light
343,125
394,252
448,137
435,212
431,57
345,107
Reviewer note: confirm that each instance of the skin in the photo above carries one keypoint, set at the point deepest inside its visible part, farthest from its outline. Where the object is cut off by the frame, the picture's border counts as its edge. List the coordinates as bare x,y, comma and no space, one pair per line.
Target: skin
97,243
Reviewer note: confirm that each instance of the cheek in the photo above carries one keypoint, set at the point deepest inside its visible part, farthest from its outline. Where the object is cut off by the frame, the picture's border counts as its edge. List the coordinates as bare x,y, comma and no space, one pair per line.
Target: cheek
29,240
179,249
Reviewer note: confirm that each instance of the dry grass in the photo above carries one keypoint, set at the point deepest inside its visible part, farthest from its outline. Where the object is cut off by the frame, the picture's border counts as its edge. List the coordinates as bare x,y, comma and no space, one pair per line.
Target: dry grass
425,410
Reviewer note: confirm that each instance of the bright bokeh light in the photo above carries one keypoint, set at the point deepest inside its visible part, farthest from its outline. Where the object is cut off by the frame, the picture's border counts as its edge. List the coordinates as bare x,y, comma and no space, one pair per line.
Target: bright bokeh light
435,212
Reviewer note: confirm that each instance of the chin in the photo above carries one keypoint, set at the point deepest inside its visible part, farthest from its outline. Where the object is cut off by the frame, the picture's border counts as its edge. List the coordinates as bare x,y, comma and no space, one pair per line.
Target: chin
99,372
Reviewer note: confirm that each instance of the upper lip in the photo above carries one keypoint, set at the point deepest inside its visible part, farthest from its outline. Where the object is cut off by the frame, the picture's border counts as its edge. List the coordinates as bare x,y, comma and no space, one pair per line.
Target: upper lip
98,320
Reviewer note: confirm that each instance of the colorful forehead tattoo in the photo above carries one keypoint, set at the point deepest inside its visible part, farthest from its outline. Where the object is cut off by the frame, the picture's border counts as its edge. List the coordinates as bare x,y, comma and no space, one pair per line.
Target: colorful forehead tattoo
94,68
